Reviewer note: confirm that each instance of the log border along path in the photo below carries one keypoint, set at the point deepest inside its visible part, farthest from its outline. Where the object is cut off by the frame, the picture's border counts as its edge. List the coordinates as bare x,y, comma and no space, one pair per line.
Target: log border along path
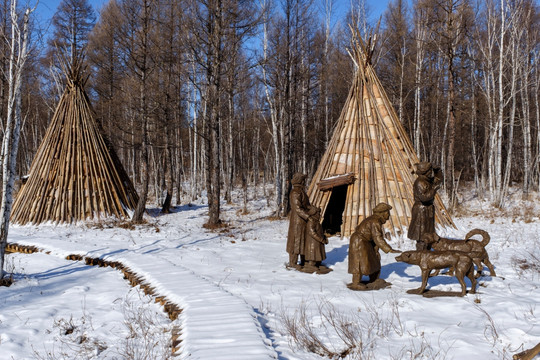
187,297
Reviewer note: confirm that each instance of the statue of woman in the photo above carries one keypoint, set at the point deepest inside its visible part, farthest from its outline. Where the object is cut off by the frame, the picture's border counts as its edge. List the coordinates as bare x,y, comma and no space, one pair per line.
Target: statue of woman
298,218
423,211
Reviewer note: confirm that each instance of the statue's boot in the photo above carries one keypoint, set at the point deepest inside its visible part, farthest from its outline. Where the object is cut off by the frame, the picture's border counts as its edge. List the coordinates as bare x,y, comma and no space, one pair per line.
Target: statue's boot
293,262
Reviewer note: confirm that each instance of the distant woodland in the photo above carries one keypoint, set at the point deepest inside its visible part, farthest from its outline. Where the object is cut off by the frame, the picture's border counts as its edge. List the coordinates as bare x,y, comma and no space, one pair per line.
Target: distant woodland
208,96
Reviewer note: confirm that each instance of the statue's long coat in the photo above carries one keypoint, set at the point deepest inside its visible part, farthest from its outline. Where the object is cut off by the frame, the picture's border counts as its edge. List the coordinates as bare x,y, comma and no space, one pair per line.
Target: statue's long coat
314,247
297,220
423,210
364,246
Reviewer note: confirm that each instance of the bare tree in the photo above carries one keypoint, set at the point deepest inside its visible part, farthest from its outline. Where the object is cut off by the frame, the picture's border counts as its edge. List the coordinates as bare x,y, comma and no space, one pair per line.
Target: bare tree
136,36
171,113
72,22
213,25
104,55
397,42
272,108
451,22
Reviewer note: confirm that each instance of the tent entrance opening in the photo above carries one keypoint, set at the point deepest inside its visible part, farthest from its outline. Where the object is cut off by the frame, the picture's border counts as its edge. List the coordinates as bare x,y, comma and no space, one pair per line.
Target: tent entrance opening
333,216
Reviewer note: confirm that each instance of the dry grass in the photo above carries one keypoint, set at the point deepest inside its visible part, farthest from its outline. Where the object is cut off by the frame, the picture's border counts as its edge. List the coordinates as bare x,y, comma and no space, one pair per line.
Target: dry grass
122,224
333,334
492,334
74,340
144,337
220,226
147,339
517,206
528,263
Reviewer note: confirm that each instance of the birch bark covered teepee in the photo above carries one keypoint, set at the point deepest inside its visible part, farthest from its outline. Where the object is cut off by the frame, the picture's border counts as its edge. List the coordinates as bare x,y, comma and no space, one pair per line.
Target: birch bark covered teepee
370,158
75,175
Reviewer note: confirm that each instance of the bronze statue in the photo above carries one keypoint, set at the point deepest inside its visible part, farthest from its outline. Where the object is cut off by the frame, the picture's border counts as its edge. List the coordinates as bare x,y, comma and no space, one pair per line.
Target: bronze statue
364,245
474,248
298,218
423,211
436,260
314,252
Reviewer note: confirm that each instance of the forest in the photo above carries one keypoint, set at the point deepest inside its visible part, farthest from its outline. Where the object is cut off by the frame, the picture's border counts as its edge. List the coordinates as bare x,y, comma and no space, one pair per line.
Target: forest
214,95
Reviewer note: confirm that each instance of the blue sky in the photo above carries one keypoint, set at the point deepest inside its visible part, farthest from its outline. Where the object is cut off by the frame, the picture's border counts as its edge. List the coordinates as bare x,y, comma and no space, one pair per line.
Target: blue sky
46,8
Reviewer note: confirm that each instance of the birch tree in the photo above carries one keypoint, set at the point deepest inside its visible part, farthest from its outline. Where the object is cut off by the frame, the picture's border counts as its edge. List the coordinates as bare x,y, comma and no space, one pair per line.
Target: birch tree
420,39
272,108
527,52
18,55
451,24
325,68
515,59
497,137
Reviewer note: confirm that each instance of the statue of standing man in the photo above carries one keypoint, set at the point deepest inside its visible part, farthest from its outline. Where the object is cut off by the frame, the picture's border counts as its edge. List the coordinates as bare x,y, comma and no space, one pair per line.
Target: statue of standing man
298,219
423,211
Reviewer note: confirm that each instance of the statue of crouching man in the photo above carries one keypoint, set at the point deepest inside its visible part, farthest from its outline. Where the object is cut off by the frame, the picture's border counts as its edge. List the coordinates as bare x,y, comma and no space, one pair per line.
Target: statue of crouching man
364,257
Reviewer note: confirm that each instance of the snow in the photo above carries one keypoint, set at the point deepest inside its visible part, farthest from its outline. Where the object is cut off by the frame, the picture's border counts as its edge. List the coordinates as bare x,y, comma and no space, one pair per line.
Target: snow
239,301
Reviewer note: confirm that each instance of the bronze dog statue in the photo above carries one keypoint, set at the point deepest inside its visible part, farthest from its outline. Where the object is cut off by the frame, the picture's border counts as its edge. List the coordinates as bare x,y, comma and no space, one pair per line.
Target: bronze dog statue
435,260
476,249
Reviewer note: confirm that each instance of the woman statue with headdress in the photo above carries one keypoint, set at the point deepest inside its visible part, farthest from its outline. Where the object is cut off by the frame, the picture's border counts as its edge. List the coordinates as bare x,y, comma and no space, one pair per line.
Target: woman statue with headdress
423,211
298,218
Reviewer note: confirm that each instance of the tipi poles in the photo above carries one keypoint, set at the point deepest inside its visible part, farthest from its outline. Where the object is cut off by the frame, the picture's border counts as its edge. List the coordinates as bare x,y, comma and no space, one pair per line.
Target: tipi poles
74,176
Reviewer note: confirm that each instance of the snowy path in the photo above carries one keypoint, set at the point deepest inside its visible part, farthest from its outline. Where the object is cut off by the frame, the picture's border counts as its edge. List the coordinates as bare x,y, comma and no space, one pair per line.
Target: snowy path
215,324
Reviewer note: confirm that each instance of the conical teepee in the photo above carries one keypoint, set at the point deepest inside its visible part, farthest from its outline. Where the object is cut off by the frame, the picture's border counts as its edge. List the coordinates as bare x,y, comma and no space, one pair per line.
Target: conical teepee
75,174
369,160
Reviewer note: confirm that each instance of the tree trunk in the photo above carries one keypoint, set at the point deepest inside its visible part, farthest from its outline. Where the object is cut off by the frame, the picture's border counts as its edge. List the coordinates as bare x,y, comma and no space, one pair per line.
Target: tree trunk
451,133
10,144
500,114
274,120
168,169
143,113
512,119
213,141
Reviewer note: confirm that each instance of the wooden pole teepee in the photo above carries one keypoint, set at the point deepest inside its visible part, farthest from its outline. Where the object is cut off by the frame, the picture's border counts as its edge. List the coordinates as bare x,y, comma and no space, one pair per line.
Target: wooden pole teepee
370,158
75,174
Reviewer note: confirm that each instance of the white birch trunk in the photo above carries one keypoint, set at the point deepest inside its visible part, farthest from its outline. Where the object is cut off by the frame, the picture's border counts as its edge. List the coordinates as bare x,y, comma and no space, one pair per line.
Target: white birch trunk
526,126
328,6
419,65
18,56
488,89
473,128
303,116
230,150
537,108
500,114
273,118
525,69
403,52
192,108
516,33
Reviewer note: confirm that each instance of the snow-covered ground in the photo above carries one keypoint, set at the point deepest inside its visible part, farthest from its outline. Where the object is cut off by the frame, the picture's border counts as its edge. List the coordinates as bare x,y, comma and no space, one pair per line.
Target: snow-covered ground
240,302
